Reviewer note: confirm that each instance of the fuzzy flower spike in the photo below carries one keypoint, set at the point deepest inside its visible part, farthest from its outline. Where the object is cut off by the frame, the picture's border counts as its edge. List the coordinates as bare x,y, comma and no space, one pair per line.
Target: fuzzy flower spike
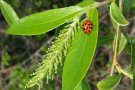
54,55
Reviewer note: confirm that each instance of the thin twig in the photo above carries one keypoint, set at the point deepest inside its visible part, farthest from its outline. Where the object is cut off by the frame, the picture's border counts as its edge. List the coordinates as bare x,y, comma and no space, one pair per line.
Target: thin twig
8,70
116,42
120,5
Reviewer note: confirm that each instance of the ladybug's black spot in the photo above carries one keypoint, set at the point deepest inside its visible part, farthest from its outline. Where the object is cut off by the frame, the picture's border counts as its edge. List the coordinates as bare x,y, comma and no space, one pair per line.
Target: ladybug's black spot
89,30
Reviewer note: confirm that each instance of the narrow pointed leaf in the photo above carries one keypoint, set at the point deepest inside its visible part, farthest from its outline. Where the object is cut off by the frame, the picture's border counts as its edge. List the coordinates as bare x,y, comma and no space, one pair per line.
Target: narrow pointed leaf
8,12
116,15
132,68
43,22
131,41
109,83
126,72
122,43
80,56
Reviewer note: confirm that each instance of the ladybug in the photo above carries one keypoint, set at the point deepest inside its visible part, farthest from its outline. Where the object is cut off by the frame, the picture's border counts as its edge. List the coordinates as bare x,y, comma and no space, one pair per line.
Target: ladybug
87,27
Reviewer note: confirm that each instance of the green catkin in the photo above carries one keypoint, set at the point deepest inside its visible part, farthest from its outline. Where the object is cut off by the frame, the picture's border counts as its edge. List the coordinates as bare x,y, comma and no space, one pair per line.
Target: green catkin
54,55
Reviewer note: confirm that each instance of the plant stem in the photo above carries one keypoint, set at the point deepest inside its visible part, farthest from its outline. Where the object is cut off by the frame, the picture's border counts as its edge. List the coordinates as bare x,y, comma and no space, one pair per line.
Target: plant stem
116,43
120,5
103,3
116,40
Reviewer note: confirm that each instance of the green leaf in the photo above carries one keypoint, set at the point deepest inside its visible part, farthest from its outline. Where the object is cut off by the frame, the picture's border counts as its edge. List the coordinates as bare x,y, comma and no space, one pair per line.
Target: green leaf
43,22
79,87
133,83
85,3
132,43
109,83
127,5
8,13
5,58
122,40
84,85
114,24
133,3
122,43
116,15
126,72
80,55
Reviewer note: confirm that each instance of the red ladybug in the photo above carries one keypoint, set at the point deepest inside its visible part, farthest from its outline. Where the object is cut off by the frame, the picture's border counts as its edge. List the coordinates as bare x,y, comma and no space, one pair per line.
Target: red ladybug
87,27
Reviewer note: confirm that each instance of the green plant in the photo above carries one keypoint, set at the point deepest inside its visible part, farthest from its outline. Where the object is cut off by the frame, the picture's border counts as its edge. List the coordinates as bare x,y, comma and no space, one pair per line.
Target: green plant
72,47
5,59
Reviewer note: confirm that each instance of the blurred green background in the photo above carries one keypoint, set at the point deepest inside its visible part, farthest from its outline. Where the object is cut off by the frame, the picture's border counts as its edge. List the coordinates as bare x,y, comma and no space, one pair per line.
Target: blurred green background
19,55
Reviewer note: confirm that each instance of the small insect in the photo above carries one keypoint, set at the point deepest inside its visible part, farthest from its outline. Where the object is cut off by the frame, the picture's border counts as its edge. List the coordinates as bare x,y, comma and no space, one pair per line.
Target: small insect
87,27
